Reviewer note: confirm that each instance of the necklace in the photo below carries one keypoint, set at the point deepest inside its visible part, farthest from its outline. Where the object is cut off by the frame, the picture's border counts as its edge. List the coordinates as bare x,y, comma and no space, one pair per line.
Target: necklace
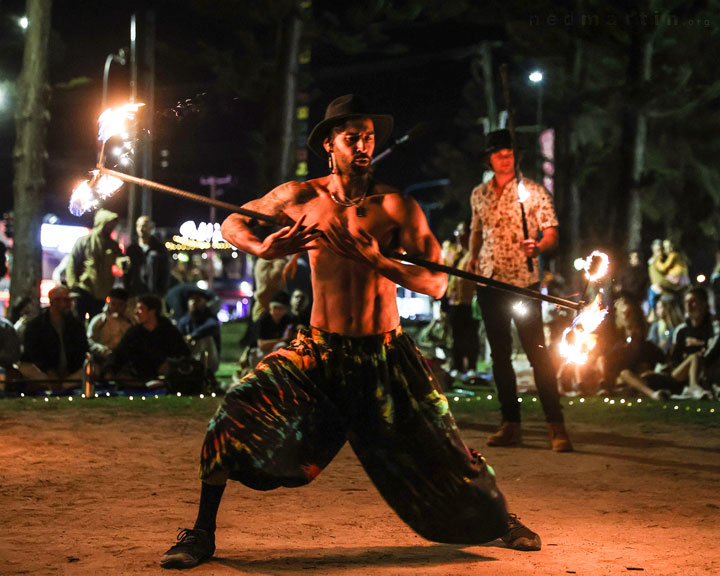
348,203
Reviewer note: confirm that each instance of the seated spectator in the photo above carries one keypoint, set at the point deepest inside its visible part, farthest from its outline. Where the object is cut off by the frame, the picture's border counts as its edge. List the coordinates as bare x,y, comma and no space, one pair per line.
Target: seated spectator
691,340
661,328
634,359
107,328
177,298
300,309
274,328
20,314
201,330
145,351
55,344
9,345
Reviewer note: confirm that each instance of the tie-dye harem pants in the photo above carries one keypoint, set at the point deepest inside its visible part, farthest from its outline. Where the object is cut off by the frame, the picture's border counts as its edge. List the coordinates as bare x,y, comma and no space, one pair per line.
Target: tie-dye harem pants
284,422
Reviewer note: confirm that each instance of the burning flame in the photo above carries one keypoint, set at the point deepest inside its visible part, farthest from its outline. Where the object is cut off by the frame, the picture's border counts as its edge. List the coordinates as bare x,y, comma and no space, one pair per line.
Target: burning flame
523,194
596,265
114,121
579,339
89,193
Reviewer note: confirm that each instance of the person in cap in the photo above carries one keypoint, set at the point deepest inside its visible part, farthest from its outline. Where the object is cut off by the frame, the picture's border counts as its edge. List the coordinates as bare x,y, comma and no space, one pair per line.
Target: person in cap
354,375
201,330
499,250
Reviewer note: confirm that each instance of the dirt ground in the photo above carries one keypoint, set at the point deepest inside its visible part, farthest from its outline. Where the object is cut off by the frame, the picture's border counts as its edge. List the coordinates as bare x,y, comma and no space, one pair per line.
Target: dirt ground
92,492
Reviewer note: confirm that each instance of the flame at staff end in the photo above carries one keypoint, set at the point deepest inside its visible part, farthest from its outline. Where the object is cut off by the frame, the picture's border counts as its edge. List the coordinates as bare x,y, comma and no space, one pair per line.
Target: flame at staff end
596,265
579,339
522,191
88,194
114,121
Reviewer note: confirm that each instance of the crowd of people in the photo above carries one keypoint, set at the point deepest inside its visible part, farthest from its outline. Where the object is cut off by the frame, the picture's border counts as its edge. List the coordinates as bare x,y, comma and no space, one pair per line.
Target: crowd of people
660,339
124,332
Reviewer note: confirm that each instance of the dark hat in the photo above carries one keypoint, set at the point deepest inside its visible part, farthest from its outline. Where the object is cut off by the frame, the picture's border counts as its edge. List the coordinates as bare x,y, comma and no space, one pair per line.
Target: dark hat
498,140
341,109
282,298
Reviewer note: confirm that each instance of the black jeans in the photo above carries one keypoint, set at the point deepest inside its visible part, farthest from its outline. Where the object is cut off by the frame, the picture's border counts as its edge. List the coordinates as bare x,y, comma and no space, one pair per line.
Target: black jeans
497,311
466,342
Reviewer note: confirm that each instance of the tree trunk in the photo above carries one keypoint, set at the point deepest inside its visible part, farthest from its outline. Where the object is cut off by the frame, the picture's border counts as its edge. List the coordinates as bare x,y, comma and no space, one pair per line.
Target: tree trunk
575,199
282,129
31,121
635,138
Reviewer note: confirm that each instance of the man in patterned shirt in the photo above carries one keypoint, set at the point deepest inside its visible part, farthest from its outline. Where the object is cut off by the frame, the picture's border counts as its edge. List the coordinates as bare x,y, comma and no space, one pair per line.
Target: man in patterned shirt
500,251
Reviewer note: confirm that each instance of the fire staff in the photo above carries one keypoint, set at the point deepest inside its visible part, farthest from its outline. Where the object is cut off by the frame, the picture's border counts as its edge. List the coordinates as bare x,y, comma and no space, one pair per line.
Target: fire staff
354,376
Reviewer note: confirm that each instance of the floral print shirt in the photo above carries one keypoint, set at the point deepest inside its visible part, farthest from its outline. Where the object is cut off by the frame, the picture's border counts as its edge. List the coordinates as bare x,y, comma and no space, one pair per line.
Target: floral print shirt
501,256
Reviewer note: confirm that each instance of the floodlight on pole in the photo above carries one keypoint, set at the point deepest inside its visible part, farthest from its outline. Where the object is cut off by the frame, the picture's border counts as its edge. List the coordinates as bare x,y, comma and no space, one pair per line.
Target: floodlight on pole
536,77
23,22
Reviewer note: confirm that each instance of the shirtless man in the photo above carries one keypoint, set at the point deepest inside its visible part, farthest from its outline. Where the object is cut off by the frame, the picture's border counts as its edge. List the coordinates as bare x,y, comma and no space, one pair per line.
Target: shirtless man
354,376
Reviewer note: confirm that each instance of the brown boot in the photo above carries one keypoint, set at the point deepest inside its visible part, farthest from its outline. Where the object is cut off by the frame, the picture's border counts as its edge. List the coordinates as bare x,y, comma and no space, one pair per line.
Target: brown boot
508,435
559,439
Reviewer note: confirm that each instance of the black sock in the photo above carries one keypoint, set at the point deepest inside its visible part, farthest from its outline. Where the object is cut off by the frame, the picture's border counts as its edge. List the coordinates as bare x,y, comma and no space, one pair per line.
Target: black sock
210,497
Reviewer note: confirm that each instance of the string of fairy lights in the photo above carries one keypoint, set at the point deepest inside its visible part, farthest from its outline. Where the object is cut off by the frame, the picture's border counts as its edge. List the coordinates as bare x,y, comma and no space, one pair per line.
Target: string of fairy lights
572,403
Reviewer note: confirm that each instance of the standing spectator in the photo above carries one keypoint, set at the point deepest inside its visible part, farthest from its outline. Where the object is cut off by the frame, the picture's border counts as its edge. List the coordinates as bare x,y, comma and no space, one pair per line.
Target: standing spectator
674,266
269,279
274,327
145,351
633,280
201,330
55,343
463,326
499,250
89,272
149,265
107,328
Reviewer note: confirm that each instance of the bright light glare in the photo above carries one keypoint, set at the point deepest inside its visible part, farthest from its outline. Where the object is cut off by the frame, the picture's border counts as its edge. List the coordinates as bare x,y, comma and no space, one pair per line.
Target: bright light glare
579,264
701,278
519,308
522,192
535,76
596,265
23,22
3,96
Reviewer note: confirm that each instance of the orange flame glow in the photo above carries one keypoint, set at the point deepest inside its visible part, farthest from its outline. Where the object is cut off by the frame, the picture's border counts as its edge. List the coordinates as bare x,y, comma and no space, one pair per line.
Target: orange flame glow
579,339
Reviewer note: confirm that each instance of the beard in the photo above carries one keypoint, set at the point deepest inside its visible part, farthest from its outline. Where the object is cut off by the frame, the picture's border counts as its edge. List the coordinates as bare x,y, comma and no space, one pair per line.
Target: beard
357,173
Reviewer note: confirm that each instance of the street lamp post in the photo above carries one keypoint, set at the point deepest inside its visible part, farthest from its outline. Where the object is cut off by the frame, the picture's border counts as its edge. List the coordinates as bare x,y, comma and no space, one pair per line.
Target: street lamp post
536,77
120,59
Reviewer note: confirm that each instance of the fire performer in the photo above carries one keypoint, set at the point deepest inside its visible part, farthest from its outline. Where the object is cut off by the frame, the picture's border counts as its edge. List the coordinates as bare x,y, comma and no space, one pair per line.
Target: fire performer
354,376
500,251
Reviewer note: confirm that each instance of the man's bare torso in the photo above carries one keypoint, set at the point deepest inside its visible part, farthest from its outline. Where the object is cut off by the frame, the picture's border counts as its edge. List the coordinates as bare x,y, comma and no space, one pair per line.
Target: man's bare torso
349,297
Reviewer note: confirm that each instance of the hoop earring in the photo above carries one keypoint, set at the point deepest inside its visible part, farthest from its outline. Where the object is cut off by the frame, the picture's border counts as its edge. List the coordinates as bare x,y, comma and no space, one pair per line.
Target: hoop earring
331,163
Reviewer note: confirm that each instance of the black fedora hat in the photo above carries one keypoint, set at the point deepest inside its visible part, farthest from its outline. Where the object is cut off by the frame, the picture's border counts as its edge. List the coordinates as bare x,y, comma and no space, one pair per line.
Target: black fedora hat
341,109
498,140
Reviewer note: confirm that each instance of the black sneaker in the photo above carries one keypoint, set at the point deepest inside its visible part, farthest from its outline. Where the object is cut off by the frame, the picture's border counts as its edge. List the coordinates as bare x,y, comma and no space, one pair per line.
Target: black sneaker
193,547
520,537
